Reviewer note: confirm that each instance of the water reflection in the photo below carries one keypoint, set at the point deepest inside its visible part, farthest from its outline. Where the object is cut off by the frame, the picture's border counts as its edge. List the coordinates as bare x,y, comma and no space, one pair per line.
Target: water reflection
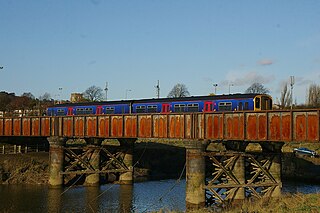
141,197
54,199
125,198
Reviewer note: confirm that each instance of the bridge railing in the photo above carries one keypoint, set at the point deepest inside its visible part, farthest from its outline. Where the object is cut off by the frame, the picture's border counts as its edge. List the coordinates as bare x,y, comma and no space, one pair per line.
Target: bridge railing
297,125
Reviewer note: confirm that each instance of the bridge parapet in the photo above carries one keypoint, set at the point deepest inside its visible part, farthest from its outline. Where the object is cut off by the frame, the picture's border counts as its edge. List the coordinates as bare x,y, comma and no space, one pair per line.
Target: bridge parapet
284,126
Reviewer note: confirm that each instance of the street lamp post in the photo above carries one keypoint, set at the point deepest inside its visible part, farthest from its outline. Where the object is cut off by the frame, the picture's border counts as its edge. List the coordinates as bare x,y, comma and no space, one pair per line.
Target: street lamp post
127,90
230,85
291,84
215,88
60,94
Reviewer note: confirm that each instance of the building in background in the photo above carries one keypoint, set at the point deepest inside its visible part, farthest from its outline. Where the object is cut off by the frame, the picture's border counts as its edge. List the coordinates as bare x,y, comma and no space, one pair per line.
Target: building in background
76,97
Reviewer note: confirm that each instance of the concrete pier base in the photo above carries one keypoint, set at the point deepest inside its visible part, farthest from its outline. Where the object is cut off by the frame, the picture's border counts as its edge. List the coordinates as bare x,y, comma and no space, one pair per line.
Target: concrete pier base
239,169
94,145
127,146
195,175
56,160
94,179
275,168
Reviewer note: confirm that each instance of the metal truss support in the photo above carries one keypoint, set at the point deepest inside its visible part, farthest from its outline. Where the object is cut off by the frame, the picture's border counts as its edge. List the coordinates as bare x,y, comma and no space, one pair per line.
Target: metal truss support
90,160
239,175
195,175
56,160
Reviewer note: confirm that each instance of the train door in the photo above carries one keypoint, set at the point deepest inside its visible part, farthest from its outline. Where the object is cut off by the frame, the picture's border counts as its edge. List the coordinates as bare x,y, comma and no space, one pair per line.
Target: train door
165,108
207,106
70,111
99,110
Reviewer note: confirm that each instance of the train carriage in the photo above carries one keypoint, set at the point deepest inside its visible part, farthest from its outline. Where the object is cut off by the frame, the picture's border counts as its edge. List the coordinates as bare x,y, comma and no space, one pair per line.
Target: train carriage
235,102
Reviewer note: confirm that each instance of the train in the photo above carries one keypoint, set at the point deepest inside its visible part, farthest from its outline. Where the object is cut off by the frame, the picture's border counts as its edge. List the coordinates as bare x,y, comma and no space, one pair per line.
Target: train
192,104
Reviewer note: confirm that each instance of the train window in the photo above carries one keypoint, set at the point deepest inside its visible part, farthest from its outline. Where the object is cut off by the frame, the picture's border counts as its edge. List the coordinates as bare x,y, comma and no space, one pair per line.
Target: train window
141,109
257,103
152,108
110,110
225,106
60,112
193,107
179,107
89,111
246,105
240,107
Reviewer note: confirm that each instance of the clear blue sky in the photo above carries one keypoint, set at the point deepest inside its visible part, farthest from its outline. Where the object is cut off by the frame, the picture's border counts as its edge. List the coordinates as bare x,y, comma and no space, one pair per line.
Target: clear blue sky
50,44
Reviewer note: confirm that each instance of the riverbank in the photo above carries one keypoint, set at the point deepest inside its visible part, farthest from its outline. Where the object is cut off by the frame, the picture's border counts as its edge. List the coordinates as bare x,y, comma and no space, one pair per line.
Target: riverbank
29,168
286,203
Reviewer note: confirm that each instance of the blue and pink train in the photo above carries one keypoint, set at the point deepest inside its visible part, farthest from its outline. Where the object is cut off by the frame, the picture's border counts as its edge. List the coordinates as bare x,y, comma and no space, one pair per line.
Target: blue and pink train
238,102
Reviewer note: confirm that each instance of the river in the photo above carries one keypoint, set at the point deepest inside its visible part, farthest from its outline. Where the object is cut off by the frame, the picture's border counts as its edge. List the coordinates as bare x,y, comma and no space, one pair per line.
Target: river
141,197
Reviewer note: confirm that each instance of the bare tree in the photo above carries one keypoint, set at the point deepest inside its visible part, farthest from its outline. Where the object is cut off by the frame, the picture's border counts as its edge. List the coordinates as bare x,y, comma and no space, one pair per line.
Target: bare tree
178,91
285,97
93,93
314,95
257,88
45,97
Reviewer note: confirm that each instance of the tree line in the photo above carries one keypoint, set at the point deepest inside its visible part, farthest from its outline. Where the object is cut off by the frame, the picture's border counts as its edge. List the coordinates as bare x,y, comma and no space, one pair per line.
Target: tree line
25,105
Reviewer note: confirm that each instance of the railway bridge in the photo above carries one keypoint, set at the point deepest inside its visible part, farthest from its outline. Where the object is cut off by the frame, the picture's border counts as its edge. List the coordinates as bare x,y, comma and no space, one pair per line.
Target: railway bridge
233,175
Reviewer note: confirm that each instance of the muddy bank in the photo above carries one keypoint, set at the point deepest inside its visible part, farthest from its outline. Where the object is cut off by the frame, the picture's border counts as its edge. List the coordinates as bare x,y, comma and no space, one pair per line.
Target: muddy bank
30,168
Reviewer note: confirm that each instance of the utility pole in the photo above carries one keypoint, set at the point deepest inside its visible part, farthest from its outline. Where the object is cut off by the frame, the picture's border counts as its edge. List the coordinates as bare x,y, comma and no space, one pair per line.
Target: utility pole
158,89
106,89
291,84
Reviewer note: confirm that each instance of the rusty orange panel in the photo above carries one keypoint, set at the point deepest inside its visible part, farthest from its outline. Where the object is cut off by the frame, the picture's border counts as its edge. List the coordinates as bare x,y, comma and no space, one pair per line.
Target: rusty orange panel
313,126
175,126
45,126
274,126
214,126
262,126
300,125
251,126
26,126
228,126
144,126
8,127
218,126
67,126
160,126
35,126
1,127
17,126
117,126
209,126
130,129
91,126
286,126
104,127
79,126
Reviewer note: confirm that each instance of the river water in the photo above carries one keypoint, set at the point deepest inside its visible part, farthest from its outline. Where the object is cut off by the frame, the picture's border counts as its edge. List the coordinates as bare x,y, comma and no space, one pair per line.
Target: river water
141,197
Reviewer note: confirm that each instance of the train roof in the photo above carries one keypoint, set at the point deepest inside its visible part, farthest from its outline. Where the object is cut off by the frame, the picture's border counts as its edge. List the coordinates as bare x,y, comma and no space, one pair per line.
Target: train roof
155,100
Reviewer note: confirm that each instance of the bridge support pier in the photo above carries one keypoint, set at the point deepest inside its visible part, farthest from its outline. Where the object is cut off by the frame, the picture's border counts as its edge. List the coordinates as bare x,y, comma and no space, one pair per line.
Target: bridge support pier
94,161
56,160
195,175
275,167
127,145
238,170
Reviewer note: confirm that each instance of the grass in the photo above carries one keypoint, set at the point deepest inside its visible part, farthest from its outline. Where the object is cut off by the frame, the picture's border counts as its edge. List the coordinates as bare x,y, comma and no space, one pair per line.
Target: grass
286,203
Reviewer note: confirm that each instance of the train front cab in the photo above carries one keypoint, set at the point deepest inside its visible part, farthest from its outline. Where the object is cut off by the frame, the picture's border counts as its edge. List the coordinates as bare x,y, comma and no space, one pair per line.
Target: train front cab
262,102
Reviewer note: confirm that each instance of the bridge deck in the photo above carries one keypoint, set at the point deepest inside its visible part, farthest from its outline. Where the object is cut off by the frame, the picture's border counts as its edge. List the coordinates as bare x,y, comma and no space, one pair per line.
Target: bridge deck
286,126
